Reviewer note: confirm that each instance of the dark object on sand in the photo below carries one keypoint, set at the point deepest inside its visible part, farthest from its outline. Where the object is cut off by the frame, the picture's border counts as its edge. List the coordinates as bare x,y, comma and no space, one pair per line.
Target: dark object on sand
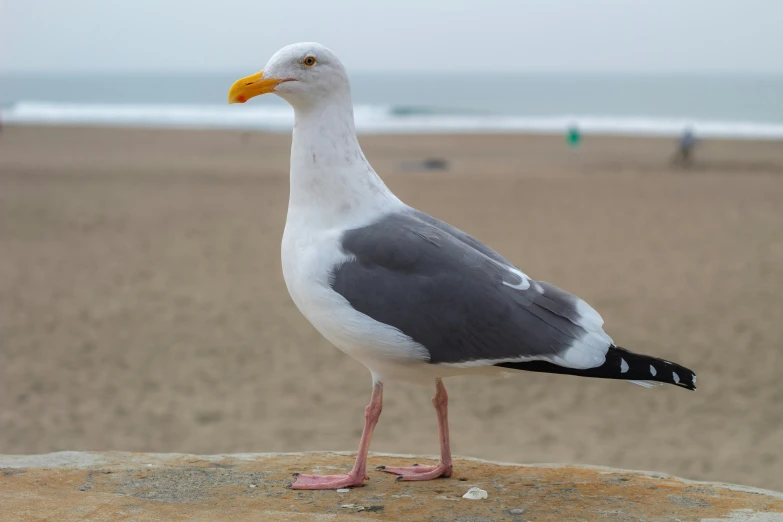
427,164
435,164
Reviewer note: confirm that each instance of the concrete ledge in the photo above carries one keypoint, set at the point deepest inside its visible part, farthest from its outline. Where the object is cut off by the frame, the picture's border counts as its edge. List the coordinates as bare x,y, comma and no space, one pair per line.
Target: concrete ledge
70,485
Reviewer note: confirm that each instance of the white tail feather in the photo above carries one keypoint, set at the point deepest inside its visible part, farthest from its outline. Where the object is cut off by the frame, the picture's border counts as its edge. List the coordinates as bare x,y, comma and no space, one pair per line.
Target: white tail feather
647,384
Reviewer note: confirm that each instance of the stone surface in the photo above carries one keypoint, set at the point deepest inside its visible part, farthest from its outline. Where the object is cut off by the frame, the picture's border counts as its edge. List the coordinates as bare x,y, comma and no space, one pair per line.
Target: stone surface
69,486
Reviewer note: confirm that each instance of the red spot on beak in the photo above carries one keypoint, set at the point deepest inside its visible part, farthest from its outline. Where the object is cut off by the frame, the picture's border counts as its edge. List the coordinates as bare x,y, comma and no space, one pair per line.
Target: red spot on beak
241,99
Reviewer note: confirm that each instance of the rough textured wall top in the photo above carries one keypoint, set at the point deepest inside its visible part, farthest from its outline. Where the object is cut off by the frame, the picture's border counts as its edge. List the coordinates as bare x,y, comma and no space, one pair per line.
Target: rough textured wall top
69,486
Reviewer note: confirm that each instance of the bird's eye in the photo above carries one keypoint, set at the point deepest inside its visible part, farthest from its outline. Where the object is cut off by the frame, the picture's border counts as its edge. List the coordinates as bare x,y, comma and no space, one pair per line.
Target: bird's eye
309,61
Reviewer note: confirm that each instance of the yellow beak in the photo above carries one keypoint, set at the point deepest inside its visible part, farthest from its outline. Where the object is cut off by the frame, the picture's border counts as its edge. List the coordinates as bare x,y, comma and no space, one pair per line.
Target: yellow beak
252,86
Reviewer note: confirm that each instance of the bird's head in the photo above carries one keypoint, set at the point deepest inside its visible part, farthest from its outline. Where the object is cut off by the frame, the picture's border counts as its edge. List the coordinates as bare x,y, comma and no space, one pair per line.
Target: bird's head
302,74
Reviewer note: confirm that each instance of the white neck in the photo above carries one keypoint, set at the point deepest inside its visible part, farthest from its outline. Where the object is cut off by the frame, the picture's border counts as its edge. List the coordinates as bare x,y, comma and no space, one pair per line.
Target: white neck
332,183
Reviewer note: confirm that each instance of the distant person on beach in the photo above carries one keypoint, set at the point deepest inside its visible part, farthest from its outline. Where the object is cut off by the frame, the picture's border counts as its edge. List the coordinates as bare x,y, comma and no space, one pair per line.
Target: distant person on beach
684,153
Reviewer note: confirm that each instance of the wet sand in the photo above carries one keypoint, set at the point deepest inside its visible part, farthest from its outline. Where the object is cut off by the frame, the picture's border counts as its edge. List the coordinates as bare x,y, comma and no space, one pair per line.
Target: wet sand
142,304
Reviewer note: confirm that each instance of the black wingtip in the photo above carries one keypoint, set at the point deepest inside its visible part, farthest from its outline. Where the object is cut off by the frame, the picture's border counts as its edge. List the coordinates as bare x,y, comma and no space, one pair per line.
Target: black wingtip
623,365
669,372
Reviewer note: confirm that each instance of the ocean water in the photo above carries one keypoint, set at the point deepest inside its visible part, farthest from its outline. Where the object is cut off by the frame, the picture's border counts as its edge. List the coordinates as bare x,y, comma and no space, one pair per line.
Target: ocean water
718,106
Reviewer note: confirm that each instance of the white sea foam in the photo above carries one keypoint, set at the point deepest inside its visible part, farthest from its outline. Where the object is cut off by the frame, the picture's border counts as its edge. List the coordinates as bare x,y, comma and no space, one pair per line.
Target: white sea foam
371,119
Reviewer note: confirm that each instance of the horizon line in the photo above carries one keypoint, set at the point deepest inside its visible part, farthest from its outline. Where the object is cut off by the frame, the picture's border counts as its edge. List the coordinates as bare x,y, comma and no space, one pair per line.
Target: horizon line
427,72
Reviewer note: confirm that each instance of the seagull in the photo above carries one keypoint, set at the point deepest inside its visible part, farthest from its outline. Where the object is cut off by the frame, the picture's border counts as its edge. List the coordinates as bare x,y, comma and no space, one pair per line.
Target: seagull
412,298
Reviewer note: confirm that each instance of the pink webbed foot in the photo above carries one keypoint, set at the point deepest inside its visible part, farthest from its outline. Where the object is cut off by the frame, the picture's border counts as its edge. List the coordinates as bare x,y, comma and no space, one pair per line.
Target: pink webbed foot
417,472
350,480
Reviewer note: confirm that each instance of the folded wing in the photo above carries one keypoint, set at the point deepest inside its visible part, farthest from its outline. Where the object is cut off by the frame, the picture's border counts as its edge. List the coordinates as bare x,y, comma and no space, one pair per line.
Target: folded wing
461,300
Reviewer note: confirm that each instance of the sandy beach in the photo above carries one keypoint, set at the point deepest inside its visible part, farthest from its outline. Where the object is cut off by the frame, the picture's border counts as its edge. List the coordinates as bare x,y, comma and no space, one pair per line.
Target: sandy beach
143,306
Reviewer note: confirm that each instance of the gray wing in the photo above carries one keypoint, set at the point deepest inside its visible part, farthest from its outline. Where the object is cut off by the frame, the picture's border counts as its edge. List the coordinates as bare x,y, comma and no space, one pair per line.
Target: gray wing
460,299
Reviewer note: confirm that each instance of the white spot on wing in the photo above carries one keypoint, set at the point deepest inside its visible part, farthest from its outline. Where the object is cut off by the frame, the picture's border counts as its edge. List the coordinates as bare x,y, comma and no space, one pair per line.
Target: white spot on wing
623,366
524,282
694,379
653,371
676,377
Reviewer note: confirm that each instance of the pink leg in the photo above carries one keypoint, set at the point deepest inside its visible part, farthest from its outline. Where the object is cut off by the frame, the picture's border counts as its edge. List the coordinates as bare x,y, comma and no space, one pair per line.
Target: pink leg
358,474
444,467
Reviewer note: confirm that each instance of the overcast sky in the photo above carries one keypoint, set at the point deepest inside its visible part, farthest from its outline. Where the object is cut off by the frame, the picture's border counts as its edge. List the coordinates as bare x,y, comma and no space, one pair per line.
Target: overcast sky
448,35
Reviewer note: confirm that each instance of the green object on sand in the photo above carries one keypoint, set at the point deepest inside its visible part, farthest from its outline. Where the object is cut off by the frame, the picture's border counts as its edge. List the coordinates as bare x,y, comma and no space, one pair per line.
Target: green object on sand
573,137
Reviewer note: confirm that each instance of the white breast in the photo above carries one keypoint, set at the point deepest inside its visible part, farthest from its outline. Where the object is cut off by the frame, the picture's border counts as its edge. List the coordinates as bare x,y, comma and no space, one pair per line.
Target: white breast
308,258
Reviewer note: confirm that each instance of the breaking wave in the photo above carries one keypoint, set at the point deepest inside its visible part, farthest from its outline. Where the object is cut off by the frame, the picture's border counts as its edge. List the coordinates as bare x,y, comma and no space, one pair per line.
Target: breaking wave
372,119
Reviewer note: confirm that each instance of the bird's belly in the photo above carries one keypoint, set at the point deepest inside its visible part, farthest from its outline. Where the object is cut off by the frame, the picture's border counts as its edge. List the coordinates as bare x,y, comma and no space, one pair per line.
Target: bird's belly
307,270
